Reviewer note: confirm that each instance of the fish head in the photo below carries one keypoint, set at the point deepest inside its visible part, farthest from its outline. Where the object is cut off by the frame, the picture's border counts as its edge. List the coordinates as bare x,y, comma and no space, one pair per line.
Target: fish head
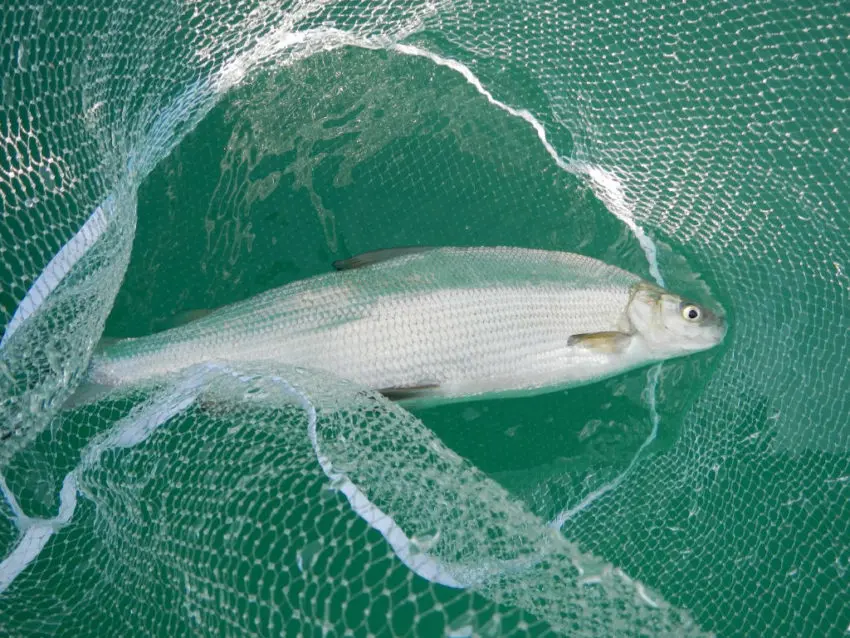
672,326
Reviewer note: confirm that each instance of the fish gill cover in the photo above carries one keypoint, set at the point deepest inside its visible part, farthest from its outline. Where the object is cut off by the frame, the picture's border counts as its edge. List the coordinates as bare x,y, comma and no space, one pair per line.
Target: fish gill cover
235,146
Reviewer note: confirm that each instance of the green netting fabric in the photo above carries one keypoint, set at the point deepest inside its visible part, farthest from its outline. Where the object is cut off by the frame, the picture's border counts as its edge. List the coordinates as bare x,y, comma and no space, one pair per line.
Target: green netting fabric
282,517
672,139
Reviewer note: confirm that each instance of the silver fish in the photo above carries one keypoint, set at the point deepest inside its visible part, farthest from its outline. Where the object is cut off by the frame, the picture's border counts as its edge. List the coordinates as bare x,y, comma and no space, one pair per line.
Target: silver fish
439,324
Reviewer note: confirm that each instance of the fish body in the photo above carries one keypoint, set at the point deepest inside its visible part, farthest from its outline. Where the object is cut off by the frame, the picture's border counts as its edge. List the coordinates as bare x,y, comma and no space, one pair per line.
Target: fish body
438,324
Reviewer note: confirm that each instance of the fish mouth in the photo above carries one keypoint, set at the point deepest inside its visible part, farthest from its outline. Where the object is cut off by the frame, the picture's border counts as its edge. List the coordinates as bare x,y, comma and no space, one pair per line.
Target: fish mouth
714,326
712,318
720,330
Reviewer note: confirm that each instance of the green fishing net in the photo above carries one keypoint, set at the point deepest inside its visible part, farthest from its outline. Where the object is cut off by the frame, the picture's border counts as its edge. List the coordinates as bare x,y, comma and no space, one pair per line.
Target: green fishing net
163,157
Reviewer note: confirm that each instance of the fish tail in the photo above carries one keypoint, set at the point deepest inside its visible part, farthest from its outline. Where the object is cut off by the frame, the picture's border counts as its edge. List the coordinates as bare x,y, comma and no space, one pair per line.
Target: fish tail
104,343
87,392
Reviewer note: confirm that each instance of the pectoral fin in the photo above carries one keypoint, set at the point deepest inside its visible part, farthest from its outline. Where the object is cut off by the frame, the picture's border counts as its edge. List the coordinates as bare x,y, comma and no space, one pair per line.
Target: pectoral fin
412,392
601,342
378,256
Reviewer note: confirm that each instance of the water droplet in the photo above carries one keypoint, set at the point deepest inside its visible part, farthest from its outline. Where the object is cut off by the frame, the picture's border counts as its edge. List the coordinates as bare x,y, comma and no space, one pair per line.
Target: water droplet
343,467
6,372
593,571
30,202
462,627
492,628
255,393
334,487
47,177
470,414
23,56
307,555
422,543
36,404
8,93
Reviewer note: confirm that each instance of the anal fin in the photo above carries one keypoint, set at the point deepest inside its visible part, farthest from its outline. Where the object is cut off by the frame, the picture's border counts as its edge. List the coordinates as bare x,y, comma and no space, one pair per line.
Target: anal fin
410,392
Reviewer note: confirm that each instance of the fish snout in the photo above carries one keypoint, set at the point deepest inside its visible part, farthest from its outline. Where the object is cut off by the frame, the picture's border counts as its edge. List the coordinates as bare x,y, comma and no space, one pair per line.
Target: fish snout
714,325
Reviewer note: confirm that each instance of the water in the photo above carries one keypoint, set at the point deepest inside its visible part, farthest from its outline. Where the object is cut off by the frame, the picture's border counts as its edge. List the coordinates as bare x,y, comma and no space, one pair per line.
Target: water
727,125
265,192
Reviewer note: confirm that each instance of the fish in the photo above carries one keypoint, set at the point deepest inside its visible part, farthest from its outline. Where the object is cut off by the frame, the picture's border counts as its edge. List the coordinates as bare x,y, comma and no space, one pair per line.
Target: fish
438,324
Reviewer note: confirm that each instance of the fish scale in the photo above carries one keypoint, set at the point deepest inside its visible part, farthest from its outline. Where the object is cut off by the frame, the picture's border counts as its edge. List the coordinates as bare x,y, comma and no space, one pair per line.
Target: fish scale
457,321
476,334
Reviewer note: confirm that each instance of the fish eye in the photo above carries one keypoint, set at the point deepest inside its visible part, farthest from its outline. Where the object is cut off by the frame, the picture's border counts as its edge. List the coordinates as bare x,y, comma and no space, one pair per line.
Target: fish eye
690,312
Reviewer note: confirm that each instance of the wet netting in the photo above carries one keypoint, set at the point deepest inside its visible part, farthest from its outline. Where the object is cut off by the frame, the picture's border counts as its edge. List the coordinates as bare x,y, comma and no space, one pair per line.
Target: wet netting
234,146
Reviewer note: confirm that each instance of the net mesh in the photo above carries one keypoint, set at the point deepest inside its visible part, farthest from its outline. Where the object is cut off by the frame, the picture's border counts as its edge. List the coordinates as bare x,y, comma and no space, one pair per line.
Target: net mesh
712,138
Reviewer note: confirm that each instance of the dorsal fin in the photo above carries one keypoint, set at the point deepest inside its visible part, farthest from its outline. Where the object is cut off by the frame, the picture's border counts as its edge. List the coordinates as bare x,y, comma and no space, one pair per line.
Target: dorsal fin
377,256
